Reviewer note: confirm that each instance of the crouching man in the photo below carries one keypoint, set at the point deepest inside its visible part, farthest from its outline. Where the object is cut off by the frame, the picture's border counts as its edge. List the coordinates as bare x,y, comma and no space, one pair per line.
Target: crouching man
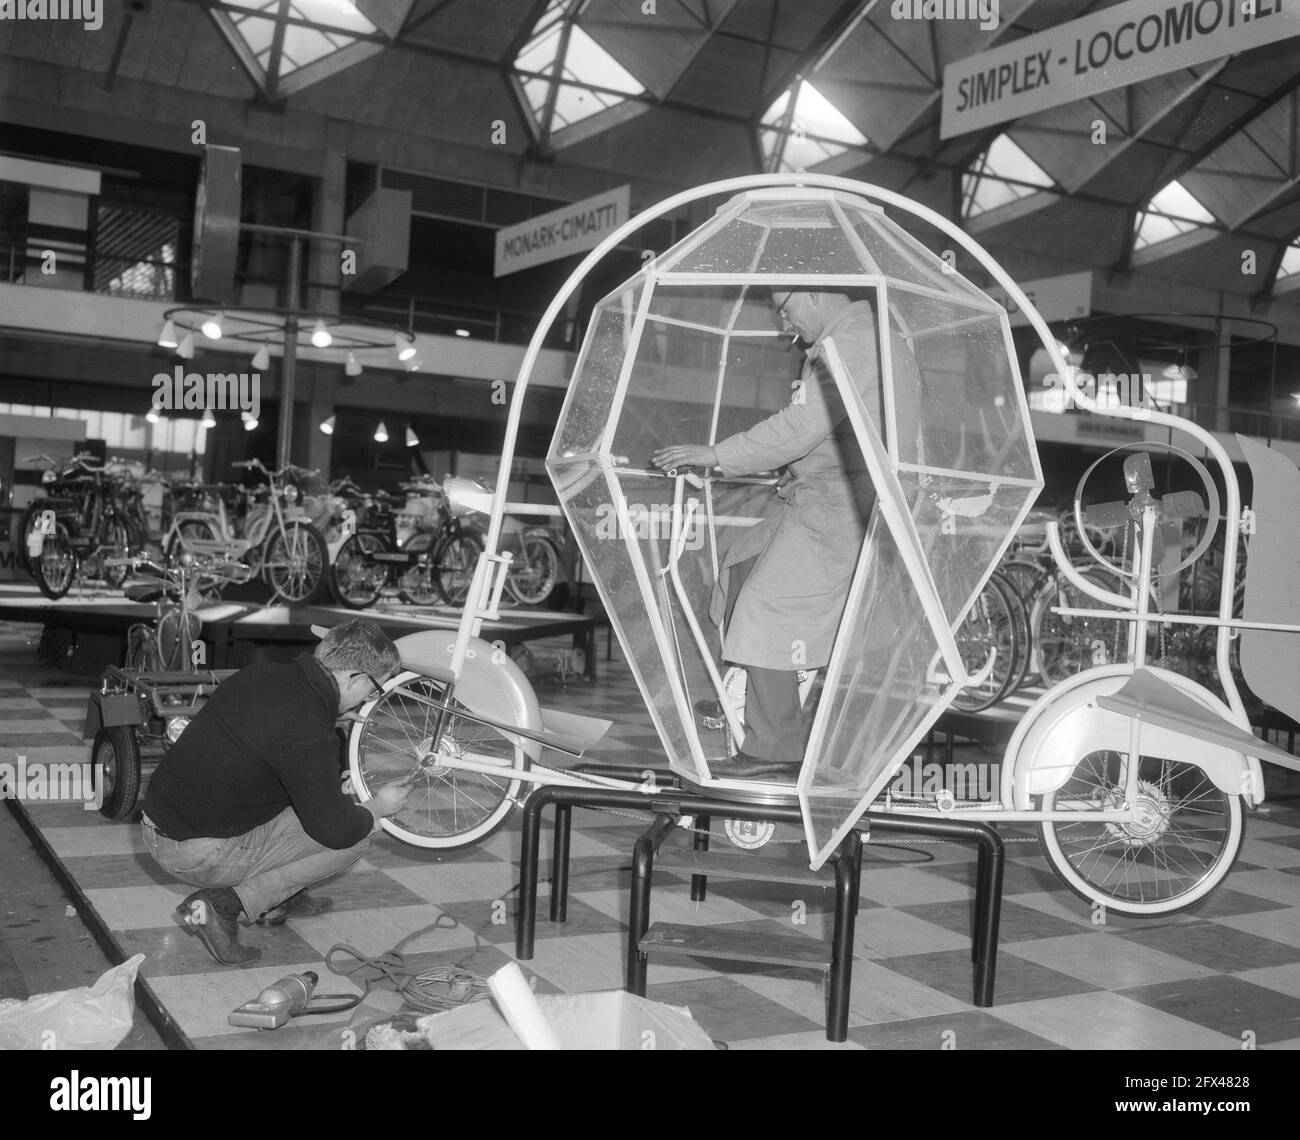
247,805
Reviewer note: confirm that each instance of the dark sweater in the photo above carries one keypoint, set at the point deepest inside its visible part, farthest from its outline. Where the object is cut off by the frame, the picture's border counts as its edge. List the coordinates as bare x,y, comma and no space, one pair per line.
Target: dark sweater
264,741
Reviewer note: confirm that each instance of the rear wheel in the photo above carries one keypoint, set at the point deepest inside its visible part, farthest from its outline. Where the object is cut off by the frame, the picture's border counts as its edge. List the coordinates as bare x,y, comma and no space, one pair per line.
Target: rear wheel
450,807
1181,844
417,584
55,568
537,573
176,634
296,562
358,582
186,532
115,771
454,564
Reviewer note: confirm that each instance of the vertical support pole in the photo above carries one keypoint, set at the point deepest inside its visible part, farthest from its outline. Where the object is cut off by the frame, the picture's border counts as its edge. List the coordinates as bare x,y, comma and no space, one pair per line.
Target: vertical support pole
848,866
284,445
700,842
560,862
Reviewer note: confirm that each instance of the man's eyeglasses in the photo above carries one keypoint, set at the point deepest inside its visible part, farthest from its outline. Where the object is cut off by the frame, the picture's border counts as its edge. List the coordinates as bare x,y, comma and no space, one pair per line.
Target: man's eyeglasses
379,688
783,311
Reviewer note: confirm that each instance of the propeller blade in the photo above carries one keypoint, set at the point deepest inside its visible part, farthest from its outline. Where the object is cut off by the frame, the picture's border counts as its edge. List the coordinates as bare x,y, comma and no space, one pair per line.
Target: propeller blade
1107,516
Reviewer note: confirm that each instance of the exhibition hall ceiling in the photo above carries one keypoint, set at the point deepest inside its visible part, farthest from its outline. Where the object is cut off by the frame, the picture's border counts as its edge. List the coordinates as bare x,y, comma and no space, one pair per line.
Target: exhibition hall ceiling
667,94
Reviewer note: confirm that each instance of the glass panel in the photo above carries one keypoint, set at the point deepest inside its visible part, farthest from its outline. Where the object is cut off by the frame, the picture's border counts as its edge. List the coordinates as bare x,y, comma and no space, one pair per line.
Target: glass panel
589,507
901,256
876,701
591,391
956,388
963,524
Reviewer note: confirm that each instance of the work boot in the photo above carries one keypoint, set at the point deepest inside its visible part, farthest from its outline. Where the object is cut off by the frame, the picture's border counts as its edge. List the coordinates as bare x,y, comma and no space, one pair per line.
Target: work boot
301,905
207,913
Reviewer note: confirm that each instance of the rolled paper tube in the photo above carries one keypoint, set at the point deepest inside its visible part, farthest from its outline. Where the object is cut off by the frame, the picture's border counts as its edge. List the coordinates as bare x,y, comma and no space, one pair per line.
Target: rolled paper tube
522,1014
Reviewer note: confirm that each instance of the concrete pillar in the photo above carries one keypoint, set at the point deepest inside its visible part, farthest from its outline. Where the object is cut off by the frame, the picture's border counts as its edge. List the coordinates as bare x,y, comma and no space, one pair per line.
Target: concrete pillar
324,259
1222,372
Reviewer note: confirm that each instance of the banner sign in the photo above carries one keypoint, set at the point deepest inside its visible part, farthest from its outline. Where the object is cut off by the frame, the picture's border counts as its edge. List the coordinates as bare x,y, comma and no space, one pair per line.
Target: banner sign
1112,48
568,230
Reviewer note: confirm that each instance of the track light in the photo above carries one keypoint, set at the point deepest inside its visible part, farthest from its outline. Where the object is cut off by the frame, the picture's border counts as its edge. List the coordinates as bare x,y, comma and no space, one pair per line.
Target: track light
412,440
320,335
405,347
168,337
462,332
327,425
212,326
209,420
250,421
152,416
262,358
353,366
381,433
413,365
185,350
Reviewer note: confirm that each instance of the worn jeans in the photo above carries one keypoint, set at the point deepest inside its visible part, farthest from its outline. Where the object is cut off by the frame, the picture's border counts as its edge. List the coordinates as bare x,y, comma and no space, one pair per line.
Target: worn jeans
264,866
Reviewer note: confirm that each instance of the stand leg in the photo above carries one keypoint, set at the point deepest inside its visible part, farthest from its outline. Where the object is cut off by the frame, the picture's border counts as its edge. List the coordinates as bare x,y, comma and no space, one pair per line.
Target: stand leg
560,863
841,976
530,840
638,921
988,914
700,842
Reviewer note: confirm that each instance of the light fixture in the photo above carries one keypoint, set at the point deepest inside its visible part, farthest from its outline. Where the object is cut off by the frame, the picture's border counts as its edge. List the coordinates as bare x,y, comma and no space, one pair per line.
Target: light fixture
405,347
381,433
413,365
1179,372
412,440
353,366
168,337
262,358
320,335
152,416
185,350
1296,397
250,421
327,425
208,420
462,332
212,326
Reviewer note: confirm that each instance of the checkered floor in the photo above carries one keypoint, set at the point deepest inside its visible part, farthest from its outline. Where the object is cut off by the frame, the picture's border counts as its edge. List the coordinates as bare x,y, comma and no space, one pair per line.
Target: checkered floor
1210,979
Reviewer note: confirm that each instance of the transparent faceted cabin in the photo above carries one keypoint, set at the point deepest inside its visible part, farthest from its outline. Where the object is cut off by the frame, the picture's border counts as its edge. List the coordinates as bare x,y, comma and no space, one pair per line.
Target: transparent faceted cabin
690,351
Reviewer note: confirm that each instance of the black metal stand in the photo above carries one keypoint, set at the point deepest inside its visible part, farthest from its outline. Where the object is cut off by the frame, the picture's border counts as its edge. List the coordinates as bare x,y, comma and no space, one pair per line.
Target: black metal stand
672,802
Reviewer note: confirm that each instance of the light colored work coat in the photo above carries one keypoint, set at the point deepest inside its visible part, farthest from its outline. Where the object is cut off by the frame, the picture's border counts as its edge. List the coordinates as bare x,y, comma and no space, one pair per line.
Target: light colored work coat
790,605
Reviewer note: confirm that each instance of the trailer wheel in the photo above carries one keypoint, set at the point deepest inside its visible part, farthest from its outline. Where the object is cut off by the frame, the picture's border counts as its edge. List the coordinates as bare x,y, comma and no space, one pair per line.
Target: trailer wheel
115,771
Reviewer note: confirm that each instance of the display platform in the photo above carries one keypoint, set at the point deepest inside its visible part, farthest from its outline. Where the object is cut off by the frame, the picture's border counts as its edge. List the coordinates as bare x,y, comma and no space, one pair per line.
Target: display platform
240,633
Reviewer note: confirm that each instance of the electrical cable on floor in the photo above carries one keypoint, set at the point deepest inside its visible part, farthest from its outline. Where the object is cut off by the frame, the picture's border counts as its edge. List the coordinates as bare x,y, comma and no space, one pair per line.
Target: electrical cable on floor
430,991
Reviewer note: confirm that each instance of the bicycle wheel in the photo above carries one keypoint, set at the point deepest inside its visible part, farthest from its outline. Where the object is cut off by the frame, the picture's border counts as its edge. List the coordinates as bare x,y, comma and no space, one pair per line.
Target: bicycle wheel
356,580
449,807
537,573
142,650
1021,575
1024,643
453,567
55,568
28,522
296,563
1182,843
119,547
1065,645
175,636
417,585
989,626
189,529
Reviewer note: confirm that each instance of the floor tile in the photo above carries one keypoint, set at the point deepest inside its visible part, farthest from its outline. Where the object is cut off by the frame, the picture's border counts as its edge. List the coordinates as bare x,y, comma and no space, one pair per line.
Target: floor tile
1108,1021
1228,1005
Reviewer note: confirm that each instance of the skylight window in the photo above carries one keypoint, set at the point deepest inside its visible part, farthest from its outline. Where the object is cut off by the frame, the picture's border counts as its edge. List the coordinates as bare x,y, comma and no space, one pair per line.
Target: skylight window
803,129
1290,265
567,76
1170,213
276,38
1002,174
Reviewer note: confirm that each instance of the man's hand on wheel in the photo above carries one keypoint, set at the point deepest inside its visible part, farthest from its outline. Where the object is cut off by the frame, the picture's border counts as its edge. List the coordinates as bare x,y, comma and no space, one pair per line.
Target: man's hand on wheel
390,798
685,455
